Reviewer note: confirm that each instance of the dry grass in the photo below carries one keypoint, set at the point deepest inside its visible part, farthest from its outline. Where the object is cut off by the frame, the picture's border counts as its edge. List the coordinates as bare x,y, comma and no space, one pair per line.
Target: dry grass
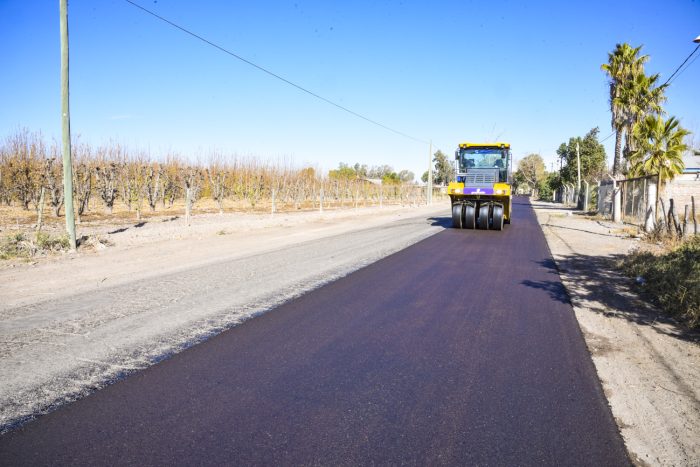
20,245
670,278
631,231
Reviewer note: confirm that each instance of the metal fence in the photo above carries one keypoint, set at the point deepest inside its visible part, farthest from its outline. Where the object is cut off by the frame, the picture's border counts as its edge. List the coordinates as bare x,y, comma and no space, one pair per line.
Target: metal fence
638,199
585,199
605,198
636,205
641,200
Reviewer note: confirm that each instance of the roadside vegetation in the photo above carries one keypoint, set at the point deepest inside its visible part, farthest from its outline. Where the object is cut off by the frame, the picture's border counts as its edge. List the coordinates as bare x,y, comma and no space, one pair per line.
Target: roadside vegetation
112,182
531,175
22,245
647,142
670,279
112,174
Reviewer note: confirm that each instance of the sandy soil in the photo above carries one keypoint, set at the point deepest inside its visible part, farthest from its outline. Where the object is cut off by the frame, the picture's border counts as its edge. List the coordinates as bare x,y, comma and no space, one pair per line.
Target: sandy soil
649,365
71,324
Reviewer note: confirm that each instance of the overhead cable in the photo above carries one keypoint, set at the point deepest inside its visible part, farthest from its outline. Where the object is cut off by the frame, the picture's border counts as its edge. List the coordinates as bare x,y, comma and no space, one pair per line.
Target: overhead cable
670,79
275,75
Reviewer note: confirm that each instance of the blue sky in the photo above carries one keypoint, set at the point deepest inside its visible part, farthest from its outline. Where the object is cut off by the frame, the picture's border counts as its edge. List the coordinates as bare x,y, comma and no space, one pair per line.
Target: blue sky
447,71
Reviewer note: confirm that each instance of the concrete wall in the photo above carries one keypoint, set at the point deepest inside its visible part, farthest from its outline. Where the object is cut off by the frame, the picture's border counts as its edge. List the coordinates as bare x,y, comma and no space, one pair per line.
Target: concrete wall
605,199
681,189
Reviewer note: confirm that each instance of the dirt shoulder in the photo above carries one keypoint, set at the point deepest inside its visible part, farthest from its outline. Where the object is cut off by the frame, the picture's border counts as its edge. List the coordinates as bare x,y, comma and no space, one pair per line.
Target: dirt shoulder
122,252
649,366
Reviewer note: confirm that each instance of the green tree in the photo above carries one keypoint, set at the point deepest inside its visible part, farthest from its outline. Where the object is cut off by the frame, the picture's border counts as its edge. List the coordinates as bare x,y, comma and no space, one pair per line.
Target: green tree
531,170
592,154
660,148
639,96
444,171
624,63
553,181
343,172
547,186
391,178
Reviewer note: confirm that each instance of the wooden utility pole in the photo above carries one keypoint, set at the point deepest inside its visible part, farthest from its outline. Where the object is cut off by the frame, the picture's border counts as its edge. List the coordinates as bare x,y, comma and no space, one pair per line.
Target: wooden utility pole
65,120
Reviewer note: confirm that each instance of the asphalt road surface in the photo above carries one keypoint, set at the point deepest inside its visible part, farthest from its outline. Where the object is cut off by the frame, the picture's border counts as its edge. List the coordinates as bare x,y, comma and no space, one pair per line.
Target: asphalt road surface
459,350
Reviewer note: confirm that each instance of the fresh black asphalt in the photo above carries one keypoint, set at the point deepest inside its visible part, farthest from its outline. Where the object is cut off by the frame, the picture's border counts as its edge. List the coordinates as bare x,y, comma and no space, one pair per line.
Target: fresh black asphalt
462,349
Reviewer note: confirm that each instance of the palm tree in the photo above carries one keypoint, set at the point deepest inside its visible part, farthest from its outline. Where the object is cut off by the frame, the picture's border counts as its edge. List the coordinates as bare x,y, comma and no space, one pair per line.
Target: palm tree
623,64
637,97
660,148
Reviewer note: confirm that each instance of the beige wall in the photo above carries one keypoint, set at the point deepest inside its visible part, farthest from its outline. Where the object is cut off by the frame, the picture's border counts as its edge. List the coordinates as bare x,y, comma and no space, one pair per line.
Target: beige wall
681,189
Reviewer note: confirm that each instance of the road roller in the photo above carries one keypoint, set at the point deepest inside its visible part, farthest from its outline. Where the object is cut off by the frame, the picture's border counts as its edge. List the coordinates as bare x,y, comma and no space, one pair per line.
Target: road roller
481,193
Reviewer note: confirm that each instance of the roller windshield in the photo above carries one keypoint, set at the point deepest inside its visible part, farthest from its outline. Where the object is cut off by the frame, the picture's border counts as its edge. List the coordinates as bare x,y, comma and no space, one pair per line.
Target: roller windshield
482,158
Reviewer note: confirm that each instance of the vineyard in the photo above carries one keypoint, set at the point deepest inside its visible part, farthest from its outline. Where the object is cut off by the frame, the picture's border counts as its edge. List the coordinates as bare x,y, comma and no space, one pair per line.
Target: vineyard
114,181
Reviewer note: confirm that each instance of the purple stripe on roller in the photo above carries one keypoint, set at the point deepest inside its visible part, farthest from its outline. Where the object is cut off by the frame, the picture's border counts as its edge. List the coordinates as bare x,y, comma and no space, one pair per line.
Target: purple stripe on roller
478,191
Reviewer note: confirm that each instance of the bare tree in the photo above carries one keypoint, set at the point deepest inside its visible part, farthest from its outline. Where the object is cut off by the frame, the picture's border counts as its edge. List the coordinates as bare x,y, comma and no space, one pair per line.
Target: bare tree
83,186
106,178
124,180
132,178
83,168
5,193
110,171
152,184
217,174
192,182
26,150
53,182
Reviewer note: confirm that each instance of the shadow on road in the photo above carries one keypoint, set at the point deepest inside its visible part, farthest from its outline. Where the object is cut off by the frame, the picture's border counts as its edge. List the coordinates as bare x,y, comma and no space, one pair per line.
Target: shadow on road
554,288
444,222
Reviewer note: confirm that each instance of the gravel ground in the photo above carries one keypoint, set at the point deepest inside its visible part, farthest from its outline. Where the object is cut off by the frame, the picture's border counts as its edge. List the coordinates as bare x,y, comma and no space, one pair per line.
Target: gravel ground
649,366
73,324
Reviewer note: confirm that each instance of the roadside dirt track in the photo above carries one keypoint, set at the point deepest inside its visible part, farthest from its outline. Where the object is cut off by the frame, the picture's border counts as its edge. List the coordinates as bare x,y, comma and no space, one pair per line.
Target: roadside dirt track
443,353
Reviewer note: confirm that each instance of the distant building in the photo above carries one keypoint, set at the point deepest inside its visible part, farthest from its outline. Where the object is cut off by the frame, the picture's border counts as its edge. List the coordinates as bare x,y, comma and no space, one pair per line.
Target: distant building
692,161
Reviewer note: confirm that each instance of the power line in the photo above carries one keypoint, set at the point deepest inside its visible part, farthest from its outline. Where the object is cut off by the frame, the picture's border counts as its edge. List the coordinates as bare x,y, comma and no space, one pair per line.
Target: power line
274,75
668,81
671,80
681,65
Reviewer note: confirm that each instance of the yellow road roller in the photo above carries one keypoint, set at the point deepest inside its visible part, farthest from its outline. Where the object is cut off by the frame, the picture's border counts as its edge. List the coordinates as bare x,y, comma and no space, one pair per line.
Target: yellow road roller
481,193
